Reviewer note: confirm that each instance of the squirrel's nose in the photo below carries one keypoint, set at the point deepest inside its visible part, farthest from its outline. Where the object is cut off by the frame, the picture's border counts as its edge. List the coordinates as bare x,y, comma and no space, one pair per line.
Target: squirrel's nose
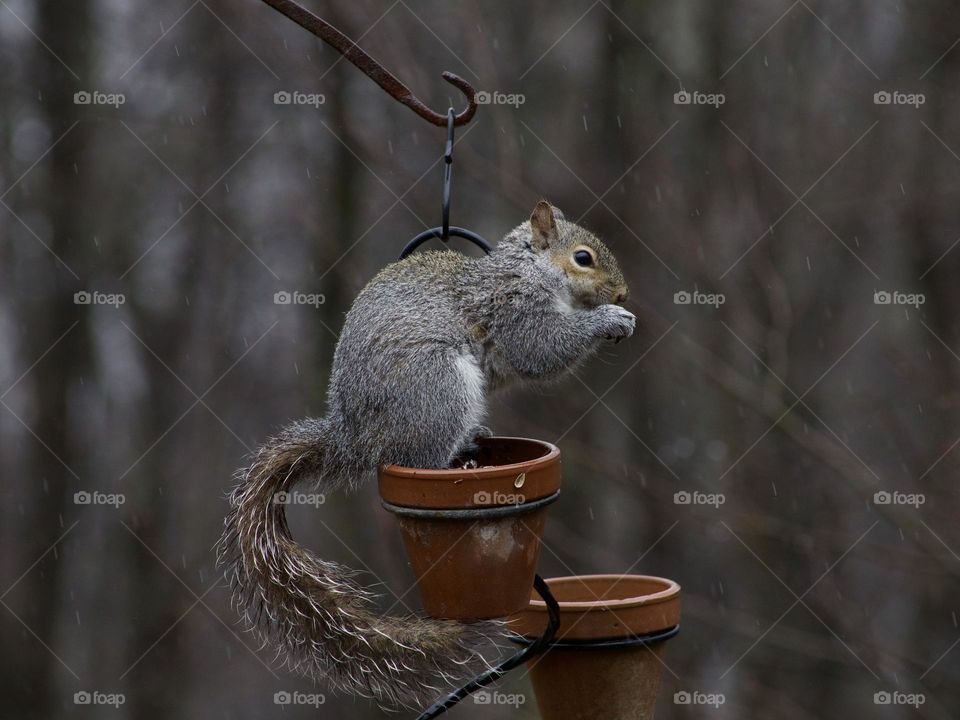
621,295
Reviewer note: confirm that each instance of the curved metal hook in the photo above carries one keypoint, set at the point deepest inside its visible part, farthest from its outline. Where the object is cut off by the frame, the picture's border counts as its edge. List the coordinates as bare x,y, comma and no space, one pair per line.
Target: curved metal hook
374,70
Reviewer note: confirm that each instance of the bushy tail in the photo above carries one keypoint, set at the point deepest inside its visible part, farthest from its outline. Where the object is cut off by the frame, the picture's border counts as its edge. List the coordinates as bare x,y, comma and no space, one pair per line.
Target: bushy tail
312,610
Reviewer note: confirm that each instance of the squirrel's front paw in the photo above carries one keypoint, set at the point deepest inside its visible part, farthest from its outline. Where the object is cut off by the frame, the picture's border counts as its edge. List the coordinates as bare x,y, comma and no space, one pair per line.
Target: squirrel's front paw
464,456
620,323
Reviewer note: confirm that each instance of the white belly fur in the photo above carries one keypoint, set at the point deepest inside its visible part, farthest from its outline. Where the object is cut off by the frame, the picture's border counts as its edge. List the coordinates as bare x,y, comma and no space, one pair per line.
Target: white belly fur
474,387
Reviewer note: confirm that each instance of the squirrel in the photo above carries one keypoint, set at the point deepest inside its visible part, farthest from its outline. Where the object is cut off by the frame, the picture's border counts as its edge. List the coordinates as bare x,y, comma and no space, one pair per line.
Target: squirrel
422,346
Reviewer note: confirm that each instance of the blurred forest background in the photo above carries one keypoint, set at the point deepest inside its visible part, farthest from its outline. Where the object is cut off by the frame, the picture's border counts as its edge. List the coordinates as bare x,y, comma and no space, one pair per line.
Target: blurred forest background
198,198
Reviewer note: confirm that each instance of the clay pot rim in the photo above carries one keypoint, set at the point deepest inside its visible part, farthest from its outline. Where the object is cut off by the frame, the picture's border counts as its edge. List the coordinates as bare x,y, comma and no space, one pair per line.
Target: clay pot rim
551,454
671,591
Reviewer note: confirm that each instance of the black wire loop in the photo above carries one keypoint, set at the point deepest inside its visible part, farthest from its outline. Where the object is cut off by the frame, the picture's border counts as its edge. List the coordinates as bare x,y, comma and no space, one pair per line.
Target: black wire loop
495,673
445,231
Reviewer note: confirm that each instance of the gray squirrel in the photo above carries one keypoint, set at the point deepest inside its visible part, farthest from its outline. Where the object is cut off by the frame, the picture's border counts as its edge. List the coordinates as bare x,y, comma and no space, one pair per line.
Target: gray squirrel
423,345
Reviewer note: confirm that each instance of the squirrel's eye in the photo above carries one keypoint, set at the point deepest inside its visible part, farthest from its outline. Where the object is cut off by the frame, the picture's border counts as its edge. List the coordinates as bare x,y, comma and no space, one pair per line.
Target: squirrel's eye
583,258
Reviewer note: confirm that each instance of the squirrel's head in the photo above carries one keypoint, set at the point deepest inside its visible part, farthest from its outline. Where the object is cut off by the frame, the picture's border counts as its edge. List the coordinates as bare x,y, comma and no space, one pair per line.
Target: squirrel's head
591,269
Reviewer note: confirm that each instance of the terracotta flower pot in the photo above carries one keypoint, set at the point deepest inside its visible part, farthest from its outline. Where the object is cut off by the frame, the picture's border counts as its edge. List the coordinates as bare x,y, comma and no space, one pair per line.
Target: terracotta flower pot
473,536
605,660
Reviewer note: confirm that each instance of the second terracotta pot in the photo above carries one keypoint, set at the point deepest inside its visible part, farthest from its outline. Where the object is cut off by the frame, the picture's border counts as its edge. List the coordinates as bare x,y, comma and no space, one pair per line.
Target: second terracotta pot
605,661
473,536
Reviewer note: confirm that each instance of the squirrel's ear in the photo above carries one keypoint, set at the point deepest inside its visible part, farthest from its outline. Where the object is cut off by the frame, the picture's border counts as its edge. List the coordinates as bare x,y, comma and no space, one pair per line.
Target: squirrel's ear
543,226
